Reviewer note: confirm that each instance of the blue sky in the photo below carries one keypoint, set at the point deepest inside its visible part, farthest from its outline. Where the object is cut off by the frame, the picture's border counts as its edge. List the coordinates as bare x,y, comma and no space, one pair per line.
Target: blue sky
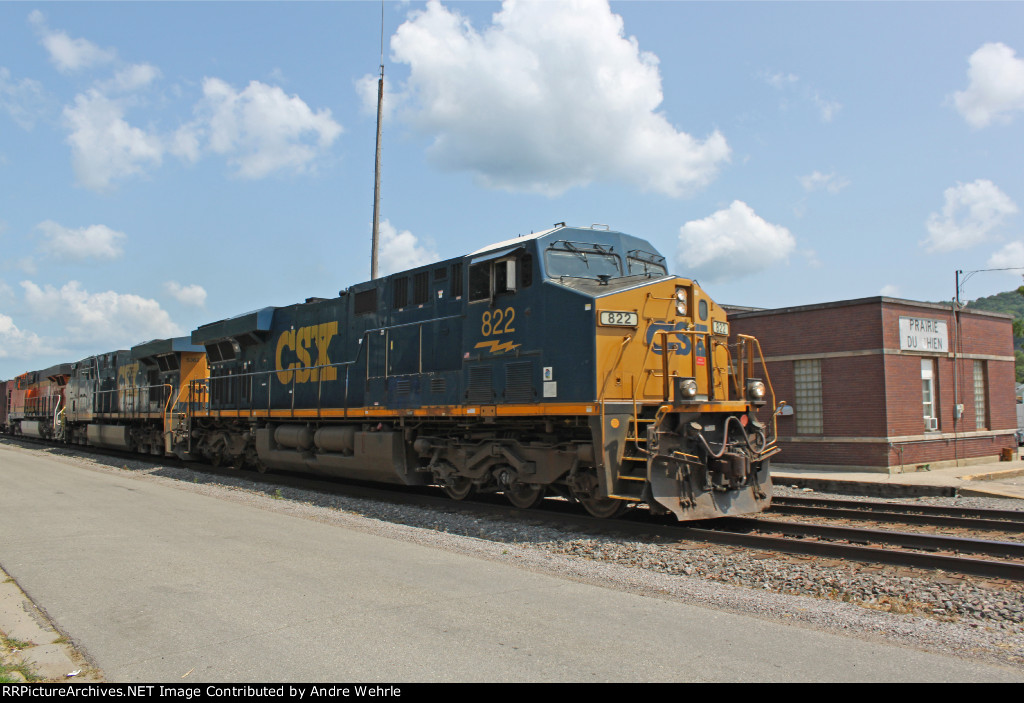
163,165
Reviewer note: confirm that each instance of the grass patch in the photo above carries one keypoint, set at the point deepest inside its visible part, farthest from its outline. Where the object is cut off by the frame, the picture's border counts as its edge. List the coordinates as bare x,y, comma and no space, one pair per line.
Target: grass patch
6,671
12,643
276,495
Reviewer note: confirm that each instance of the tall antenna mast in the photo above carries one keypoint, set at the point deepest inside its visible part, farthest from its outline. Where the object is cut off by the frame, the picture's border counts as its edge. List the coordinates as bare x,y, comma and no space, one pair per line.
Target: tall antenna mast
376,169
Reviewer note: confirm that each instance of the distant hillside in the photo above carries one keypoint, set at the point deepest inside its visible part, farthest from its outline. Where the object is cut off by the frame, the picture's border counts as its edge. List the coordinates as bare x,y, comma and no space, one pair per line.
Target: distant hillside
1010,302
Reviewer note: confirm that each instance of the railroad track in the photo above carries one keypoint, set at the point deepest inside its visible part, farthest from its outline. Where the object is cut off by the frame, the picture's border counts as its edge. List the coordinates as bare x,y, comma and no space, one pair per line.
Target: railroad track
902,513
1005,559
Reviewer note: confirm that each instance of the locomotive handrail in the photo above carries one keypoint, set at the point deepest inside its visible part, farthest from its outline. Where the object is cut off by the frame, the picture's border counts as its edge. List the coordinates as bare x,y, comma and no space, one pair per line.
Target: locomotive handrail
748,360
57,412
129,401
235,381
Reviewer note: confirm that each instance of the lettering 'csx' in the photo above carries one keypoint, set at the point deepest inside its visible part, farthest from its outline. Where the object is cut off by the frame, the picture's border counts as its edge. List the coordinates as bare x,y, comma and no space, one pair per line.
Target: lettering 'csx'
297,344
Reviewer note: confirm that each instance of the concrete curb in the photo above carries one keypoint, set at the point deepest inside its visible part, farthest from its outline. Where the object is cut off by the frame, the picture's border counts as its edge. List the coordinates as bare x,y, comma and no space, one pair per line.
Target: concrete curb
27,637
994,475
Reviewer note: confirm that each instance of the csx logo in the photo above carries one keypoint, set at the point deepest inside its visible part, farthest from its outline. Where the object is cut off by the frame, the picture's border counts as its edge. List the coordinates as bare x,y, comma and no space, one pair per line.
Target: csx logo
681,345
126,375
297,344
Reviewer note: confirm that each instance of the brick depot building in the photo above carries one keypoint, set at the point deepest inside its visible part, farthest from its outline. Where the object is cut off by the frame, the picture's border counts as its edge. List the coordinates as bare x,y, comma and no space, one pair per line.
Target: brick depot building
888,385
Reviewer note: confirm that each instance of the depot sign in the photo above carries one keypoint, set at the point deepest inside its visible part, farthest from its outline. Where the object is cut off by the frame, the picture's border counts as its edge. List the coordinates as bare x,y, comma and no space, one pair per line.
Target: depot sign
922,334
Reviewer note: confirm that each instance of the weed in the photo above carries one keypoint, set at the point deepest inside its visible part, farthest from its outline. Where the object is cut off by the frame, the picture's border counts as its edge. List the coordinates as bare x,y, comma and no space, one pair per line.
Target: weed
276,495
27,672
12,643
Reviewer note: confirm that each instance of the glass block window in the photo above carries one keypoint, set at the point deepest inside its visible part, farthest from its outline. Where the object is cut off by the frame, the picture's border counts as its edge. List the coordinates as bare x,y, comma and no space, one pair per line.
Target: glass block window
931,415
807,404
980,396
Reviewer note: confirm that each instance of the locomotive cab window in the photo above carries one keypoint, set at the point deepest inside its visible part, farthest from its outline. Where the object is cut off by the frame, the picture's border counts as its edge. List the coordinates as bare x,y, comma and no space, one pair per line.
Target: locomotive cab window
488,279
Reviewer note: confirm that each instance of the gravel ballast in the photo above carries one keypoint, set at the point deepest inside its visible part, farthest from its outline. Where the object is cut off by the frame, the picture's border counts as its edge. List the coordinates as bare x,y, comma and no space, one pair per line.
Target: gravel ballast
965,616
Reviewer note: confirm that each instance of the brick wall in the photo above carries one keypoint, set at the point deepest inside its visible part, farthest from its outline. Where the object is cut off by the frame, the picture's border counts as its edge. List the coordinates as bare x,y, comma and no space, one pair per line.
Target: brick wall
878,392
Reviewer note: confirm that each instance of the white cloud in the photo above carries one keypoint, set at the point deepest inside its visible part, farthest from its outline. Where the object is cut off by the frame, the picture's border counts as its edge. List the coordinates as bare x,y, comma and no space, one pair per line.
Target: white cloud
811,258
827,109
129,79
399,251
969,215
366,88
730,244
20,344
188,295
262,130
830,182
780,80
108,318
104,147
550,96
890,291
68,54
22,100
95,241
996,86
1010,256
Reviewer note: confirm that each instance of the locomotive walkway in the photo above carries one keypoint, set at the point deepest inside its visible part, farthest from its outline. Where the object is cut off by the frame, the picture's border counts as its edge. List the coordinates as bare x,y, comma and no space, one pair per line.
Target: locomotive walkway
156,583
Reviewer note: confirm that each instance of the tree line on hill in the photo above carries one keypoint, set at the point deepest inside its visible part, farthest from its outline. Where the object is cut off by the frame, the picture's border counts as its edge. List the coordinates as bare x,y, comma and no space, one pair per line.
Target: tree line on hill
1010,302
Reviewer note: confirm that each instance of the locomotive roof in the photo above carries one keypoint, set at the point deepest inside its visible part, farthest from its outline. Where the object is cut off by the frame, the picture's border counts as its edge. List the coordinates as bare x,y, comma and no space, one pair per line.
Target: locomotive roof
155,347
250,322
513,242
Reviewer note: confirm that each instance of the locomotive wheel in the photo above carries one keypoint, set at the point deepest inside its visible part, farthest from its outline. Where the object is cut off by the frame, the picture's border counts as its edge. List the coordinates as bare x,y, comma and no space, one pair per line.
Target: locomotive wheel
604,507
460,489
524,495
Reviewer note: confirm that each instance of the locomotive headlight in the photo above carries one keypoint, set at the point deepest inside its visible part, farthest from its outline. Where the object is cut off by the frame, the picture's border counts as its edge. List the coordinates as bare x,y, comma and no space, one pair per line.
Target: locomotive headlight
756,390
681,301
686,388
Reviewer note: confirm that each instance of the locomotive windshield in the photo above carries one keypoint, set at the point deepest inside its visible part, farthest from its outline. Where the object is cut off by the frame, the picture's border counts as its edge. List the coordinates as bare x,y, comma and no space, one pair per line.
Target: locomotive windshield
589,260
578,260
644,263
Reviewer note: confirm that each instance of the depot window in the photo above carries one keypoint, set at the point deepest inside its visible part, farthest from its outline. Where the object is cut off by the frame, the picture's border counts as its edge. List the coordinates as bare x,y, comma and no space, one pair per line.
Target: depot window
929,395
807,404
980,396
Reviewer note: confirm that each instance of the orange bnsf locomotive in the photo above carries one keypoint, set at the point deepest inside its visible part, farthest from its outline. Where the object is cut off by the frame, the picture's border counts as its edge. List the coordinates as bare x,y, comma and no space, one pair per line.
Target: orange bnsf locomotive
568,362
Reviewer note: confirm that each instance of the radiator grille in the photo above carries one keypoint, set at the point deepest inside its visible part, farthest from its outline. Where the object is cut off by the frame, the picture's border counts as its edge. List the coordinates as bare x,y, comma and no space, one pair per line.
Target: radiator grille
519,382
481,385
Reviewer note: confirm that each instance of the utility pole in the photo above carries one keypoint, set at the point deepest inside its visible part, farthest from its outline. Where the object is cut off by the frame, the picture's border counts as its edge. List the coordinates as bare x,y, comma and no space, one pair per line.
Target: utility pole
376,170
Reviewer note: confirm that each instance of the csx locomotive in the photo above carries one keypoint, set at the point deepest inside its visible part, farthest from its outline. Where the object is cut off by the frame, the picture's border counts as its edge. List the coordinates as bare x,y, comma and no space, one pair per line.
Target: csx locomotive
568,362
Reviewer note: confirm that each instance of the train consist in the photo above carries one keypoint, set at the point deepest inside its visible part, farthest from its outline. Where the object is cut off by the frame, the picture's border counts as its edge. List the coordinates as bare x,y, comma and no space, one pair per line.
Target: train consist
568,362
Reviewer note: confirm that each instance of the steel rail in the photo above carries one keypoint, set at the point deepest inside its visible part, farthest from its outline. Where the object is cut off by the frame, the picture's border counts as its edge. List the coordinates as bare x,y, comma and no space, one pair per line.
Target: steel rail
937,510
907,540
896,517
973,567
